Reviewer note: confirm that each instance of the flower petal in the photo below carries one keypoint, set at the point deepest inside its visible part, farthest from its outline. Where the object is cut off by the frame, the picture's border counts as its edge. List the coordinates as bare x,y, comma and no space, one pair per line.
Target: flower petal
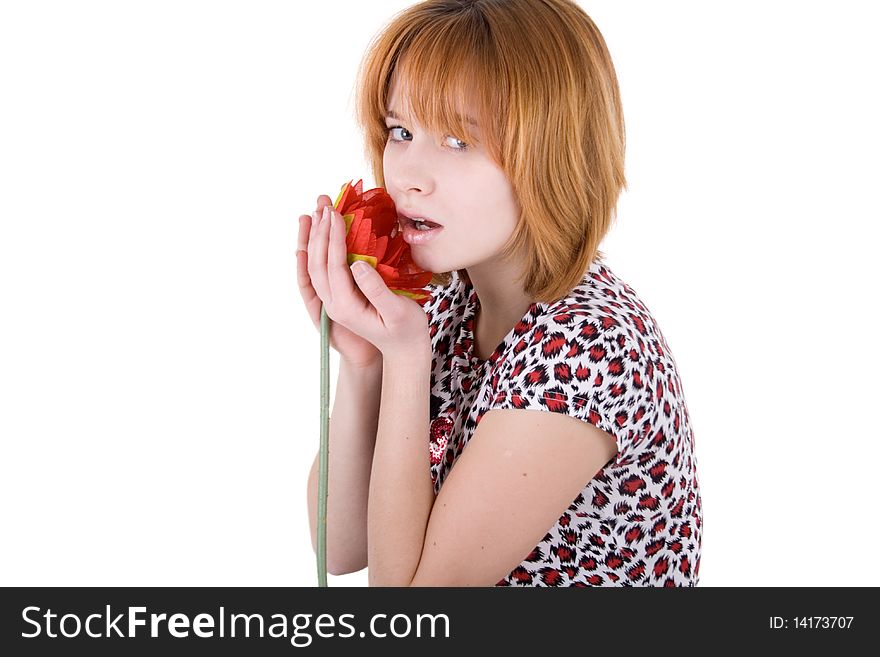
370,219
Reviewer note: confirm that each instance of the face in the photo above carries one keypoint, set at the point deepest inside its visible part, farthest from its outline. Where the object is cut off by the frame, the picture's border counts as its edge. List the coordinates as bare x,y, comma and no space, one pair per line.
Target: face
456,185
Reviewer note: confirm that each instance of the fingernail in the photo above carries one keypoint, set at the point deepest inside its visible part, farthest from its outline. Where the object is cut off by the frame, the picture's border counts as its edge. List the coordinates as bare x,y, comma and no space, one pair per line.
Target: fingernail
359,268
326,215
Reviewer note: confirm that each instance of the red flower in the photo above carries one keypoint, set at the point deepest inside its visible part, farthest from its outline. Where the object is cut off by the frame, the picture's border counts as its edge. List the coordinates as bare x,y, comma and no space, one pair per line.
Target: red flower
372,235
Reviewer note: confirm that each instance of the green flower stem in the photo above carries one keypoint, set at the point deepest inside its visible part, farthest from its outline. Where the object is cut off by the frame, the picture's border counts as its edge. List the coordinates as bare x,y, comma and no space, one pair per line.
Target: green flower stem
324,454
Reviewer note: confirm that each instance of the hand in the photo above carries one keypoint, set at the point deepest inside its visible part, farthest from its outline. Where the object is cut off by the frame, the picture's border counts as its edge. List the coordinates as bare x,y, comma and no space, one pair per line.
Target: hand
352,348
363,304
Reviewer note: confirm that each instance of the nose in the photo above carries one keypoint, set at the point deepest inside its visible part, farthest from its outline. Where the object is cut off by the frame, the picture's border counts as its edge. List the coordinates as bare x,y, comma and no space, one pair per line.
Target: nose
409,169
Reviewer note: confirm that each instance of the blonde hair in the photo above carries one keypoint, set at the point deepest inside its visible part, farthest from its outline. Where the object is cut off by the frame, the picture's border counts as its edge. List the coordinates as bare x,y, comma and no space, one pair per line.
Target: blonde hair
544,91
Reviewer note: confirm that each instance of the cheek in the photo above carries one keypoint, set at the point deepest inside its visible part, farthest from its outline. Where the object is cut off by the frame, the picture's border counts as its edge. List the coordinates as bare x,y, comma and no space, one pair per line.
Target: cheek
486,237
385,163
388,157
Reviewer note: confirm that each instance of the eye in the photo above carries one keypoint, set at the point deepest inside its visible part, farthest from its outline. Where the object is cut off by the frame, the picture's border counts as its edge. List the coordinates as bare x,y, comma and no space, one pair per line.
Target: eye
462,147
397,127
459,144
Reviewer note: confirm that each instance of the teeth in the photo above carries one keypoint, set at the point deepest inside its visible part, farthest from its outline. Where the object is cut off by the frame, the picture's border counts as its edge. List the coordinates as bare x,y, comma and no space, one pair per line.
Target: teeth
421,225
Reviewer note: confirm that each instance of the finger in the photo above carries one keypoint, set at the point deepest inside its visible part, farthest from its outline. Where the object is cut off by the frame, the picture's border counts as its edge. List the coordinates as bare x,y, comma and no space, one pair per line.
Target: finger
371,284
339,275
318,258
302,238
304,281
306,291
323,200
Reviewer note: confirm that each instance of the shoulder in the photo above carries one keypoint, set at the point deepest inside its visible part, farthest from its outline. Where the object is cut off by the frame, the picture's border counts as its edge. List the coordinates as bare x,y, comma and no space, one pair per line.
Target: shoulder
601,307
599,322
583,356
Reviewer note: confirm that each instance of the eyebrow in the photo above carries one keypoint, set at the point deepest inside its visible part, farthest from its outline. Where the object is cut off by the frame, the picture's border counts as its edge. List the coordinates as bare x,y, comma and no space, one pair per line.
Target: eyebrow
391,115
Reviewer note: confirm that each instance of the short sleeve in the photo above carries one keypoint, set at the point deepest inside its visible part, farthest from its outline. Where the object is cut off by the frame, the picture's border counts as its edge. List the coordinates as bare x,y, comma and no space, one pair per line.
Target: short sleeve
584,367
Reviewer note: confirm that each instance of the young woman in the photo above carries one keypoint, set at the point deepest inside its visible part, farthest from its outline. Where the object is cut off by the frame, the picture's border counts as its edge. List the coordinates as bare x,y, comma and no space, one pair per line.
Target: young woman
527,426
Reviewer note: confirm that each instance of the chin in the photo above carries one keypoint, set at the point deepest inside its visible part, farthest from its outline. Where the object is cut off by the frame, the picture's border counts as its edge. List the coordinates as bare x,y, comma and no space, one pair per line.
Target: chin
424,261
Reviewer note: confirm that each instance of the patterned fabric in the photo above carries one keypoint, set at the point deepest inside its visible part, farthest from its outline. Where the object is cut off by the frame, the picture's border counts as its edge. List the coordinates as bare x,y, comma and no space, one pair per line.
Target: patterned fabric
597,355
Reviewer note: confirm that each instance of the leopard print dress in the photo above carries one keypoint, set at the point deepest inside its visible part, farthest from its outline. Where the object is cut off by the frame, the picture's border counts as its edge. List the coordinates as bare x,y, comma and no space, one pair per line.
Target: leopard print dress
597,355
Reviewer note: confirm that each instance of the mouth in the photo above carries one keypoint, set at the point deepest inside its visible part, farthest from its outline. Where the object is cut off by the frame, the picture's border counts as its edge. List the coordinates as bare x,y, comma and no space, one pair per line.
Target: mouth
418,231
417,223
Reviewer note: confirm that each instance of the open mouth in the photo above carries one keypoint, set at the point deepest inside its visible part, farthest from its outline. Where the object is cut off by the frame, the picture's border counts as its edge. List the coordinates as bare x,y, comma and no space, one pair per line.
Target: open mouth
419,223
418,230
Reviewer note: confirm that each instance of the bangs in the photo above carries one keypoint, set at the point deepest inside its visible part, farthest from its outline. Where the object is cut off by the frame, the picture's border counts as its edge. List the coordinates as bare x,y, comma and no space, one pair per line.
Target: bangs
435,89
443,75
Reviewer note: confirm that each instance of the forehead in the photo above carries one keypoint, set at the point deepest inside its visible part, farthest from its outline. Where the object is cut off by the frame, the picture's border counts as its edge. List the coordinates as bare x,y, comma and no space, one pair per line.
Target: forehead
398,94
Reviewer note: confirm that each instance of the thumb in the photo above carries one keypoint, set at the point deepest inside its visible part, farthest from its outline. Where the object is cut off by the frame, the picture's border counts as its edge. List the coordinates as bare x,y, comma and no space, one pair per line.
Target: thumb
371,284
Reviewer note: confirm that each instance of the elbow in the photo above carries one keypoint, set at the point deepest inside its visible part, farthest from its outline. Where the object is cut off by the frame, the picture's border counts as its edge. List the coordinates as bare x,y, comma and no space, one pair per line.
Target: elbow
377,580
343,566
337,569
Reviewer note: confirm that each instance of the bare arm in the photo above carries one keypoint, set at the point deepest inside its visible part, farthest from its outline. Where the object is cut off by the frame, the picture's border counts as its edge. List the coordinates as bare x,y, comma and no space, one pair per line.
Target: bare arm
353,425
401,491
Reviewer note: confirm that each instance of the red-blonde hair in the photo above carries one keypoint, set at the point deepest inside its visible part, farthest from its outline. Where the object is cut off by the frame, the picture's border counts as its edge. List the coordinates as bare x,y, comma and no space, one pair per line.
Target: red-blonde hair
539,77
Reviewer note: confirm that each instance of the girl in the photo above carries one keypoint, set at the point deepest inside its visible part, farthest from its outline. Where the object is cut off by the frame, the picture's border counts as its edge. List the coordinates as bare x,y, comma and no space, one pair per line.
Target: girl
527,426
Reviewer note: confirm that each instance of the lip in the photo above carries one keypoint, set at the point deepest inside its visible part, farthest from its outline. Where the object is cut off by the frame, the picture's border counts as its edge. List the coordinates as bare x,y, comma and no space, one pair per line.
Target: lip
406,216
415,237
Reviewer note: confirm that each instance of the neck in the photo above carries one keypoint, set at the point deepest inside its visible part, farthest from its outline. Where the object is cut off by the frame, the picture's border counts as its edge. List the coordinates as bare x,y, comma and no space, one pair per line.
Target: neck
502,303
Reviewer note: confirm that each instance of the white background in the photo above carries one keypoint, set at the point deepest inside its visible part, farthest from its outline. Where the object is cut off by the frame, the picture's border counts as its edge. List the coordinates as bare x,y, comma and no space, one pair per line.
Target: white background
159,381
